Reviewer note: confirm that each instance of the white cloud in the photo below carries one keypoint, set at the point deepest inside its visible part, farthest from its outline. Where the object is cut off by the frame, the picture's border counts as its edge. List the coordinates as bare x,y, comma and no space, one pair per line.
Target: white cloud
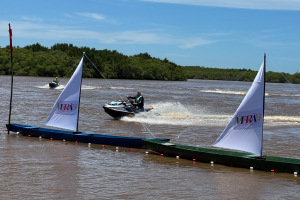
51,32
260,42
92,16
267,39
131,37
246,4
177,55
194,42
145,37
31,18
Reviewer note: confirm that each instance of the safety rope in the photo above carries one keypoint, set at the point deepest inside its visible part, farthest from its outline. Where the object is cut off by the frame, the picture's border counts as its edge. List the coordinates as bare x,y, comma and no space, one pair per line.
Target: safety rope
67,73
103,77
285,77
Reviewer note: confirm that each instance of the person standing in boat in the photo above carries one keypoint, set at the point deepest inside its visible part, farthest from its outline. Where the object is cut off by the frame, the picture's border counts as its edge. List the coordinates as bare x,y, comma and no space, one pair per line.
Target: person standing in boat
138,103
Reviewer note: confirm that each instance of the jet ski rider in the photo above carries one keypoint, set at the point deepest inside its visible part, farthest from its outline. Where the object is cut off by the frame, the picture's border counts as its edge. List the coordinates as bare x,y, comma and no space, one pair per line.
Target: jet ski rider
138,103
56,80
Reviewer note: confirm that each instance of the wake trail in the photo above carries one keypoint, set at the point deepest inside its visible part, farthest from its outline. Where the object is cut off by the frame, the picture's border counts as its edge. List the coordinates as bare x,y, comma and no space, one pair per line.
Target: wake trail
174,113
243,93
85,87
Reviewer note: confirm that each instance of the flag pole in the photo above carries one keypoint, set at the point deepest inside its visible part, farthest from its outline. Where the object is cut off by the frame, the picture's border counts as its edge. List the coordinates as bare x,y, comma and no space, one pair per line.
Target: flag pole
12,76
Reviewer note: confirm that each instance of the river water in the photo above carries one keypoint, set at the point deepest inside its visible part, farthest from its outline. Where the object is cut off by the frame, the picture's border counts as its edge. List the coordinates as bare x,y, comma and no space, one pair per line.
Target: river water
193,113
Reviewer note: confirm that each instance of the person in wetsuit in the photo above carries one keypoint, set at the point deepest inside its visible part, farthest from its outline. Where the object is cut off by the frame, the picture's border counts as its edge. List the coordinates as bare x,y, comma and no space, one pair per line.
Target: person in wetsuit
138,103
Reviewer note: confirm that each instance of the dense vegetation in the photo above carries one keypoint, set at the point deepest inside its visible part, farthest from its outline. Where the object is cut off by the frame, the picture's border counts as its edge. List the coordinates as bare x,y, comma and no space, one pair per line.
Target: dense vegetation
197,72
37,60
61,59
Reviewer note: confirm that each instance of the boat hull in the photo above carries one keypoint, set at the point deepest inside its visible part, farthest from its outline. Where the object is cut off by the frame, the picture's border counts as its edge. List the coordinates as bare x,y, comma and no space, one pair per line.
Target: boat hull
229,158
118,112
53,85
136,142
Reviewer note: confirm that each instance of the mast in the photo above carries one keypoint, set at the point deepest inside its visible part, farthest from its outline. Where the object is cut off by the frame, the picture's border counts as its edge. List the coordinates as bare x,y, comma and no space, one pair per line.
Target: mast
262,138
79,97
12,76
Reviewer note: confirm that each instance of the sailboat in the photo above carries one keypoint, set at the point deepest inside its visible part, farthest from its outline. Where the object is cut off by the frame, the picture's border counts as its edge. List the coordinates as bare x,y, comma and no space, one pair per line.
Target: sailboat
65,115
244,132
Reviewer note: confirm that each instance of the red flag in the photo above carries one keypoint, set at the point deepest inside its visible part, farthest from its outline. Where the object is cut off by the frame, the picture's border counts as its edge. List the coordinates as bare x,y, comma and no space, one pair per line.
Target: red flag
10,37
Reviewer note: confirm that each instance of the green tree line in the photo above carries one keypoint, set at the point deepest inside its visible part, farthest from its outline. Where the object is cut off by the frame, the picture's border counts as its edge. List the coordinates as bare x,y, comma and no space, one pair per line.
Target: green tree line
60,59
197,72
37,60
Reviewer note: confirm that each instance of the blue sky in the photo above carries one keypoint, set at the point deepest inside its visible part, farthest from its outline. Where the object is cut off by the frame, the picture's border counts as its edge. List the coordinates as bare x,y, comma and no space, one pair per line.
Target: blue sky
210,33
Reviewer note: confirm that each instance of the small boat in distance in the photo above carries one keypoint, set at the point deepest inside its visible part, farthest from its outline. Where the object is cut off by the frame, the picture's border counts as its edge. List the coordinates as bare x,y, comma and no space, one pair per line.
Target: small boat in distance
244,132
65,115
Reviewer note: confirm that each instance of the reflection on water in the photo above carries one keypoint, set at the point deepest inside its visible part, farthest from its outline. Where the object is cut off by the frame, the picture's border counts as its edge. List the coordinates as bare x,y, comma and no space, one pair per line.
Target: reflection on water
193,112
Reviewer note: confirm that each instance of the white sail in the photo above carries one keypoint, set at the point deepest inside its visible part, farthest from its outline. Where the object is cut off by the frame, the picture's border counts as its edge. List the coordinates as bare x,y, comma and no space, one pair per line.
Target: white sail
245,130
64,113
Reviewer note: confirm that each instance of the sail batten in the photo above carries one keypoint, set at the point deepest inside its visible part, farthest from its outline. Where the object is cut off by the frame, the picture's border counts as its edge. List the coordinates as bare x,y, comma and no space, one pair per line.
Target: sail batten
245,130
65,111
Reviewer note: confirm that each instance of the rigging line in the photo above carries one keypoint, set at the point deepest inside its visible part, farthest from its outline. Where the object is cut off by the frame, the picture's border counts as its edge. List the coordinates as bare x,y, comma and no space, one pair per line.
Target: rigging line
68,73
104,77
182,133
147,129
284,77
117,92
147,116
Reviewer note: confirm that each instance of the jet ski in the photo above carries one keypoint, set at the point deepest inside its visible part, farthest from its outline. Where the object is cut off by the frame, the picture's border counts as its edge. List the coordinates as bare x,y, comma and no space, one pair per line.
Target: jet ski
53,84
119,109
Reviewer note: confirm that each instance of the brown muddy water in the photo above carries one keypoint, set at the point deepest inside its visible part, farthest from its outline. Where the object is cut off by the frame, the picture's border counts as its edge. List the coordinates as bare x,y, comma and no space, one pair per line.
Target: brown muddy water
193,112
